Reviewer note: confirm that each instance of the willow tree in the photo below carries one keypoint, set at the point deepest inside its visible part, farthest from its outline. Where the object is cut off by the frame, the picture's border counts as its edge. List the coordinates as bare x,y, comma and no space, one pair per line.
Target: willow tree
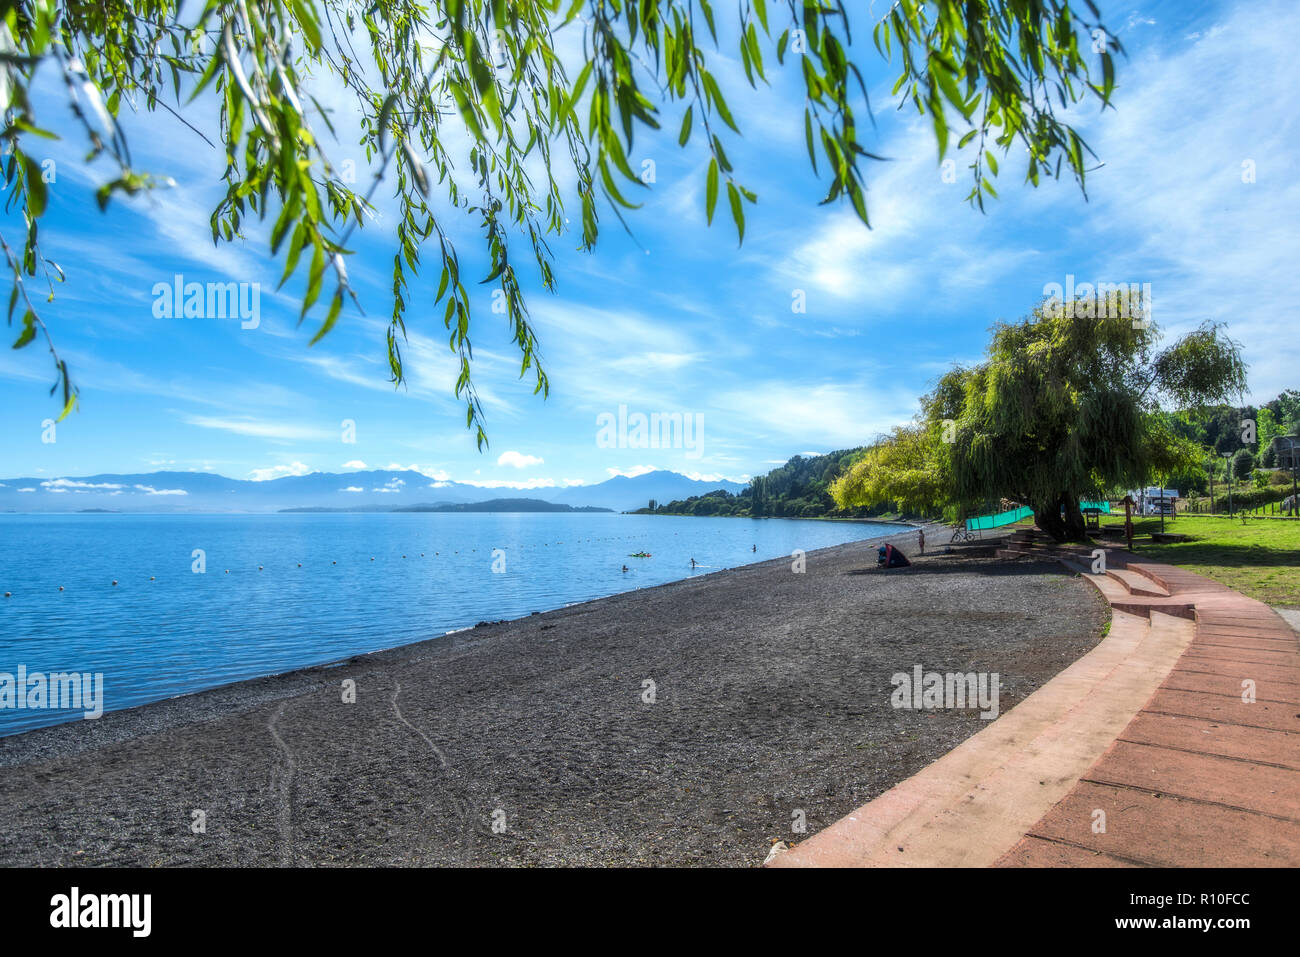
1068,403
900,468
473,100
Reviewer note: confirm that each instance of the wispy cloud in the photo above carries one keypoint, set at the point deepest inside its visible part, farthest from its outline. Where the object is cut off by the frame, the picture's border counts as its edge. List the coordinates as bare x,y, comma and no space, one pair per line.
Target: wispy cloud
260,428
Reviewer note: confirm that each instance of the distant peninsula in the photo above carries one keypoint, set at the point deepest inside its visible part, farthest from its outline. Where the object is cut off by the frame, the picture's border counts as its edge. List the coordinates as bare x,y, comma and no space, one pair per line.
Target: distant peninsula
492,505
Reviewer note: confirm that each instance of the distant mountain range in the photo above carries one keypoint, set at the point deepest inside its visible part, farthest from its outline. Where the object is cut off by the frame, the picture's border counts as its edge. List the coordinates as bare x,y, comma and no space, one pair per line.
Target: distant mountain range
370,490
491,505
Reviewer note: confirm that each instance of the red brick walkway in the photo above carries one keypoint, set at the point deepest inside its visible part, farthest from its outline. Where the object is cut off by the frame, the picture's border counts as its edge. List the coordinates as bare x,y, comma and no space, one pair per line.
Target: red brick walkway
1205,773
1208,772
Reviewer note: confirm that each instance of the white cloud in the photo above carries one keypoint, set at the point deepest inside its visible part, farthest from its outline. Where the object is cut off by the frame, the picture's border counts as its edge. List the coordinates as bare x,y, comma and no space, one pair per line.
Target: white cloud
633,472
352,488
279,471
428,471
63,484
517,460
354,464
150,490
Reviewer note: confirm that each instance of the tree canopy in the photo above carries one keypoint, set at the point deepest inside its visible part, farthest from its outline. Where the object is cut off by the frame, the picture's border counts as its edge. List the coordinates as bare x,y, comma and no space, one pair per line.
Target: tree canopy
1067,403
459,104
797,489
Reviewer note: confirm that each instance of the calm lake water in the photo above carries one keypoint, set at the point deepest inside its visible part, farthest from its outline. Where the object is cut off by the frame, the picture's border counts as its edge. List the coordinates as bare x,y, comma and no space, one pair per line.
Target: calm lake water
183,631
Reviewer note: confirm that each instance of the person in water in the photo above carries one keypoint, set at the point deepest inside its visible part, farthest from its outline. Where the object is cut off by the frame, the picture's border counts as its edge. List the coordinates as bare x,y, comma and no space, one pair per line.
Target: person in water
624,568
755,548
692,563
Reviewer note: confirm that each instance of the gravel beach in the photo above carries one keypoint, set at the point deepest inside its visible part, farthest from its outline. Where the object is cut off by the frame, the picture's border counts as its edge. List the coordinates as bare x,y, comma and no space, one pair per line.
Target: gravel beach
536,742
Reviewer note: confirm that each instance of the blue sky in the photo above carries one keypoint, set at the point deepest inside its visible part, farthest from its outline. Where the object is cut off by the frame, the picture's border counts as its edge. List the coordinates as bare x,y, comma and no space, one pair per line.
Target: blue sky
680,319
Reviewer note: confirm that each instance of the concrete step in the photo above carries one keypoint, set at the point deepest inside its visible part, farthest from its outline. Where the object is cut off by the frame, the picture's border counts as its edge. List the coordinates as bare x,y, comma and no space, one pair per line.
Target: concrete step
1110,589
1156,574
1136,584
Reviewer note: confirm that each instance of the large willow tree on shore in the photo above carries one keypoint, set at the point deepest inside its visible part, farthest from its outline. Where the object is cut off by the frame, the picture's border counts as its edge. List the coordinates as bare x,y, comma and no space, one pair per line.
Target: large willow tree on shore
472,100
1066,404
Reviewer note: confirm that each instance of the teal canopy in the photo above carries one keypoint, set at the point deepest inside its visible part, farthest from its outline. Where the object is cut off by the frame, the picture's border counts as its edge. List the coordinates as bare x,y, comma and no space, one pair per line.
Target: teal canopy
984,522
998,519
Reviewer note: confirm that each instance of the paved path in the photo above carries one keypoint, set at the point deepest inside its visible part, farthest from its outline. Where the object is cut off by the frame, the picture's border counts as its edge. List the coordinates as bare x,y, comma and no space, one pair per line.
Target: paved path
1198,765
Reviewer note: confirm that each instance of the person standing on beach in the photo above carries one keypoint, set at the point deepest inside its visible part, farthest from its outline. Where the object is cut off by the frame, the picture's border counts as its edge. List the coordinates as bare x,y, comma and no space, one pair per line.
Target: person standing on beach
920,537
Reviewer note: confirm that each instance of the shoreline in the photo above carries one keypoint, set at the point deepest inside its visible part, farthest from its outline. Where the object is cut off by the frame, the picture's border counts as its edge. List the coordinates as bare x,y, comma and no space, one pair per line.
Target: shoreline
351,658
543,716
903,522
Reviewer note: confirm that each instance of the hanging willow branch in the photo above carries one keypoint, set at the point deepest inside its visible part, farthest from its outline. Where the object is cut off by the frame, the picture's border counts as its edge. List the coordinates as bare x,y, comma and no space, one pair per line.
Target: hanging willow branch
428,77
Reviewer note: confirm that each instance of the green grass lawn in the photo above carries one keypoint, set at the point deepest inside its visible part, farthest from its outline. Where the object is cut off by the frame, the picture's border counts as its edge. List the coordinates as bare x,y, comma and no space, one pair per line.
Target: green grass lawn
1260,558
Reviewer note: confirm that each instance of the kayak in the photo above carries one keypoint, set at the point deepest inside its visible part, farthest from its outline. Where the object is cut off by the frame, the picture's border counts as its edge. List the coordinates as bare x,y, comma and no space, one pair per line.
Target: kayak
639,555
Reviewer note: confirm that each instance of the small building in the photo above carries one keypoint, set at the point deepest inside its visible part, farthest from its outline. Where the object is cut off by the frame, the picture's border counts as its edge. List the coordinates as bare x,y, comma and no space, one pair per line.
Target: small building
1287,450
1155,501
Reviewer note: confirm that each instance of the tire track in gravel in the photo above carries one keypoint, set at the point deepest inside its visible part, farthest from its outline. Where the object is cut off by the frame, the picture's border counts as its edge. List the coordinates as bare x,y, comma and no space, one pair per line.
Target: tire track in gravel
458,805
285,787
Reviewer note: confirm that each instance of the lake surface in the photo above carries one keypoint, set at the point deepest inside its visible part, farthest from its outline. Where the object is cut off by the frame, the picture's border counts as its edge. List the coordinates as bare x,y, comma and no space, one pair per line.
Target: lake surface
363,585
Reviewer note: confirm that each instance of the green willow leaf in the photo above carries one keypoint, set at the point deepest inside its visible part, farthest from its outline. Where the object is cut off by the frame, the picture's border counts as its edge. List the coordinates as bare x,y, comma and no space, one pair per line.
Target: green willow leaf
29,330
336,306
711,190
737,210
